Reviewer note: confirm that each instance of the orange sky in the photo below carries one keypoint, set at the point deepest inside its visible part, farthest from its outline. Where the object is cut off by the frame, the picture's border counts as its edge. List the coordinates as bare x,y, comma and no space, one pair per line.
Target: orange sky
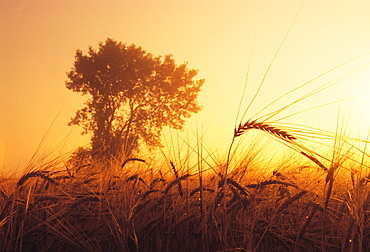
39,39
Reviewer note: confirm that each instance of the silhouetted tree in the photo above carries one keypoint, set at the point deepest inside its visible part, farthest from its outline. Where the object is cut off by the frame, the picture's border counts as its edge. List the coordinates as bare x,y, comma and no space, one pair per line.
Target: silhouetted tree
133,95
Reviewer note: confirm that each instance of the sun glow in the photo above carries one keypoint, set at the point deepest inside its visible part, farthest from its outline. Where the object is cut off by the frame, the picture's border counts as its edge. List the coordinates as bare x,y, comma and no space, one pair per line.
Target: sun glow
219,38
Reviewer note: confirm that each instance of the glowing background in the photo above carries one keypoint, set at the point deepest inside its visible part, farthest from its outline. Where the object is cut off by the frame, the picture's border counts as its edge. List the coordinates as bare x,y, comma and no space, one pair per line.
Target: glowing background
39,38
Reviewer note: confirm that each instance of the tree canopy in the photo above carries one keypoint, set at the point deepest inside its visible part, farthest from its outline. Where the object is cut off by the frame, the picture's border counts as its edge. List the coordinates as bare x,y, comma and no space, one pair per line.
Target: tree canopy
132,96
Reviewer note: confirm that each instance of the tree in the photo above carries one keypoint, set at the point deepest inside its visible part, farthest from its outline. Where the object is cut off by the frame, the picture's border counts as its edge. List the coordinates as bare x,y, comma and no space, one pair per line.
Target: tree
133,95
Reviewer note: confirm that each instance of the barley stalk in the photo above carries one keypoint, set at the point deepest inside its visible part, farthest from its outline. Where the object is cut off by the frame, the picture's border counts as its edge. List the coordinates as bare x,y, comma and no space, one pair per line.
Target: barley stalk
85,199
290,201
133,177
198,189
315,207
179,186
132,159
241,188
174,182
155,181
168,188
270,182
39,174
315,160
264,127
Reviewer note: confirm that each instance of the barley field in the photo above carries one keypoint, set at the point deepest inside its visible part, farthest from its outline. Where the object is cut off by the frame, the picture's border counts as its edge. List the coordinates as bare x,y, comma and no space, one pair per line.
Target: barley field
304,201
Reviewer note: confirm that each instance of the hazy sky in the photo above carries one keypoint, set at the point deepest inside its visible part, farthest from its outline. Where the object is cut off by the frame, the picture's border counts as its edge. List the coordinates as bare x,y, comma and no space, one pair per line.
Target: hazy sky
39,39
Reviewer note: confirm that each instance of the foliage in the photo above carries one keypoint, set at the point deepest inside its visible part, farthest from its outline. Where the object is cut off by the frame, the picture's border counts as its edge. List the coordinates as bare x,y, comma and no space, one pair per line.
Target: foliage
133,95
79,158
